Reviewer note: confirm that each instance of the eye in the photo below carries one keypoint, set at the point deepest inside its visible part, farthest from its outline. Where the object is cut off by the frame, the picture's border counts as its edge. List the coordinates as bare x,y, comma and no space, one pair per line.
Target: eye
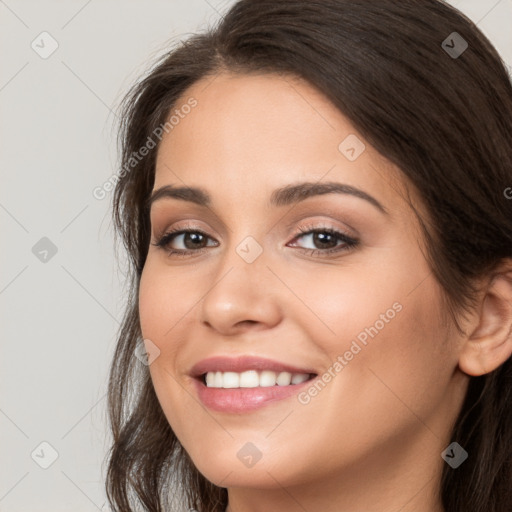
325,237
194,241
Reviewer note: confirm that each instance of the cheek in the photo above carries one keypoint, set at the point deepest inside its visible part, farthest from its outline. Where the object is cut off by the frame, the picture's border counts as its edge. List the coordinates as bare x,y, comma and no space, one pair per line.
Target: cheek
151,304
339,307
162,302
390,345
161,309
159,313
382,396
402,367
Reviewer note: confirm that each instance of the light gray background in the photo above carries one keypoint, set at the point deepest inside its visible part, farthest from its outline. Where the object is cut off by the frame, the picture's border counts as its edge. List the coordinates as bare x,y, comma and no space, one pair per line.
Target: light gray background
59,317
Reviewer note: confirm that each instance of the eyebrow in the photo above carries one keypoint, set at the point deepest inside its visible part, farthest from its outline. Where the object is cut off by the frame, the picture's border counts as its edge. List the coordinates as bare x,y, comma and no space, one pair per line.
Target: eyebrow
290,194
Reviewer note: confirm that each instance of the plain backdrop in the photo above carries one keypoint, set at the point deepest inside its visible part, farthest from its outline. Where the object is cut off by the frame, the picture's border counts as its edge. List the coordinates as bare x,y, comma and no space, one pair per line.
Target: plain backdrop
61,290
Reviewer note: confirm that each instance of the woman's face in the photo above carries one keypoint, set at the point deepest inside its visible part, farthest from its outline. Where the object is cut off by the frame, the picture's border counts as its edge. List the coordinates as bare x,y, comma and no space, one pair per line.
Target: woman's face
353,303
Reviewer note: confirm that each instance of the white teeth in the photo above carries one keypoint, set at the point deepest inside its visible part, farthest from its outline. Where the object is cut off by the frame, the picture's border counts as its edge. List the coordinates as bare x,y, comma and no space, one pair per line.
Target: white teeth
210,379
284,379
249,379
253,379
231,380
298,378
267,379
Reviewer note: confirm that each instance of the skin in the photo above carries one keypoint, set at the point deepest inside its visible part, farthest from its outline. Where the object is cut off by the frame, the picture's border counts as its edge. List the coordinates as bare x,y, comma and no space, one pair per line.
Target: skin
371,440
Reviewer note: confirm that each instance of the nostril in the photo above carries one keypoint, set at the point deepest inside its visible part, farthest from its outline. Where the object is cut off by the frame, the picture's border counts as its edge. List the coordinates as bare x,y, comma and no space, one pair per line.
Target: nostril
243,323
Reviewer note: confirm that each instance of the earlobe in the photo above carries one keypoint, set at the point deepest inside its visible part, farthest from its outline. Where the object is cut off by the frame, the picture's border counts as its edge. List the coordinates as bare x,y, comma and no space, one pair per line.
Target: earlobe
489,345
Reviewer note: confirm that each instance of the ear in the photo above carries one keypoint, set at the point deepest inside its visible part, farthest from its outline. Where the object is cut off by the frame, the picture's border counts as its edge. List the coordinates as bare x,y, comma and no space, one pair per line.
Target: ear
489,344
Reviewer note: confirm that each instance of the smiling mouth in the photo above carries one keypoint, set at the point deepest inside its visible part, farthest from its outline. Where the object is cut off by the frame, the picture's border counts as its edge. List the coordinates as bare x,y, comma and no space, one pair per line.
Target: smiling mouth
253,379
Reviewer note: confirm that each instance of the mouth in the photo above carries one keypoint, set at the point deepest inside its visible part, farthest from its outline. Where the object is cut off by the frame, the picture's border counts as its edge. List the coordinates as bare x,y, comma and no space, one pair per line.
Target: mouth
248,372
253,379
248,391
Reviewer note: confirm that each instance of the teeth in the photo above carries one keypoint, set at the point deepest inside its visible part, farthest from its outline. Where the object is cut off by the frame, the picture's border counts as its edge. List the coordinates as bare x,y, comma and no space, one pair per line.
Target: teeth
284,379
298,378
267,379
253,379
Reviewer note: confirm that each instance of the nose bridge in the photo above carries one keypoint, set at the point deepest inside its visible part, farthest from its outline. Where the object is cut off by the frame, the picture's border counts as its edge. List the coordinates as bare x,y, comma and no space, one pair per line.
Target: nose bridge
241,290
247,235
243,266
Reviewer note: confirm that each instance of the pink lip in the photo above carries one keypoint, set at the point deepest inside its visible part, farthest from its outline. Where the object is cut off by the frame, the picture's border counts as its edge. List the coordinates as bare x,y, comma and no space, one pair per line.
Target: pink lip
239,400
241,364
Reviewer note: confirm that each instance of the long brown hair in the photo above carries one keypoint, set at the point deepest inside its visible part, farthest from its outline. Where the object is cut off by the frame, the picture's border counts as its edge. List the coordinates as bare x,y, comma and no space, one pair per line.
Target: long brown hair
445,119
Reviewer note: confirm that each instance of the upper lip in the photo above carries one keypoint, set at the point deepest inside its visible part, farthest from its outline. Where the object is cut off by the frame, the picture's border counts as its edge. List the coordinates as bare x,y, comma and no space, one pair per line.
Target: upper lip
241,364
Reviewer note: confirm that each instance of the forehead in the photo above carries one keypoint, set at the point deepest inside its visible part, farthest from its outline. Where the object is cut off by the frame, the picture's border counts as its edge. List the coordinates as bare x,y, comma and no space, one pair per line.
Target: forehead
250,134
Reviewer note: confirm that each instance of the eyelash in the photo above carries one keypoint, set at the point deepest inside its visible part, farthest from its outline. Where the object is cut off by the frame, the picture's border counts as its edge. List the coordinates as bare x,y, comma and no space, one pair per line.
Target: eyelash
349,242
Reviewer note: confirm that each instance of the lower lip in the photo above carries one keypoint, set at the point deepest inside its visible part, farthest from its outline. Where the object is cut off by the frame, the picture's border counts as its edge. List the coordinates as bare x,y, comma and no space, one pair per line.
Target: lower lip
238,400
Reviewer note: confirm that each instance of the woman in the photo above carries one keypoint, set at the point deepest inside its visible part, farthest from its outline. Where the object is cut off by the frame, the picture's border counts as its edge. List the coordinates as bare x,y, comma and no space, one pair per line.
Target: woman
313,197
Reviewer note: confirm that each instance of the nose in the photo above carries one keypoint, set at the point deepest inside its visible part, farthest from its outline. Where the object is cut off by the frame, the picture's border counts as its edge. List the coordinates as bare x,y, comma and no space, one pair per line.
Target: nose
242,296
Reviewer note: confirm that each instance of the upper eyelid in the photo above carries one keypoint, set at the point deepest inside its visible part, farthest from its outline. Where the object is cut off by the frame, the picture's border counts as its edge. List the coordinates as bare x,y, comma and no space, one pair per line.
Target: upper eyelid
331,223
325,209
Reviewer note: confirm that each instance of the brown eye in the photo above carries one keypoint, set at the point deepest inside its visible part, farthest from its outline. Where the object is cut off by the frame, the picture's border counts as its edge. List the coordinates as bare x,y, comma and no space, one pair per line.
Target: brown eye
194,242
326,240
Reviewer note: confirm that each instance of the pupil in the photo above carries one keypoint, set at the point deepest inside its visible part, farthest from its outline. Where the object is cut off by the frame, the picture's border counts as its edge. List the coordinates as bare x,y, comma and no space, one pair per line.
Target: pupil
320,238
194,237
